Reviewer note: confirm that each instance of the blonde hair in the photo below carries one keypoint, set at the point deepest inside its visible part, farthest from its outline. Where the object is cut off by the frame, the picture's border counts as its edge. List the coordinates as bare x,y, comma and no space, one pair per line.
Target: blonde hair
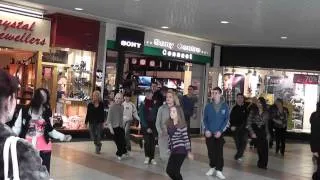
97,93
176,100
181,118
119,95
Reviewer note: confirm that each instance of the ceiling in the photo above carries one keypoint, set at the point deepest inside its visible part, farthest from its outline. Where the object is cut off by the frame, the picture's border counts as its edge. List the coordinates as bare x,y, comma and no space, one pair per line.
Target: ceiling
252,22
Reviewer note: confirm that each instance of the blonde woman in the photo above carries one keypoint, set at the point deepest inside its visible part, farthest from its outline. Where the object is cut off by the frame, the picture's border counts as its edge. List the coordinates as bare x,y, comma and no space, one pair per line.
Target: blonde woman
116,126
161,123
95,117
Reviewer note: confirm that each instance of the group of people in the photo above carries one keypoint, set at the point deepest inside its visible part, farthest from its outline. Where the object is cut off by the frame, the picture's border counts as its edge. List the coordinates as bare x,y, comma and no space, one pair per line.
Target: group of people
163,119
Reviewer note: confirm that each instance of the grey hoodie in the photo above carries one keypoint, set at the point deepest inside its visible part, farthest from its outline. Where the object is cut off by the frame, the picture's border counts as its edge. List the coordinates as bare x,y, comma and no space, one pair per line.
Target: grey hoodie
162,118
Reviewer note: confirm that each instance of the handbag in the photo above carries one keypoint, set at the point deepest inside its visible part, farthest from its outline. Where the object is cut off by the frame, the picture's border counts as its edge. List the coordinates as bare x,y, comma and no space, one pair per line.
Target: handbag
11,146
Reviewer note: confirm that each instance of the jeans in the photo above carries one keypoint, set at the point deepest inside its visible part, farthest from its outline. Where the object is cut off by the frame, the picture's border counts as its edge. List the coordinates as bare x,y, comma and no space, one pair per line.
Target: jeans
174,166
95,133
119,139
240,136
262,146
163,147
215,152
127,134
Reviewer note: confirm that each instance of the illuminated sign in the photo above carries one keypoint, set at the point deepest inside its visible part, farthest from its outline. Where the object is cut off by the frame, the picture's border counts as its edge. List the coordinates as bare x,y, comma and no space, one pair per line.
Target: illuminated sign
174,54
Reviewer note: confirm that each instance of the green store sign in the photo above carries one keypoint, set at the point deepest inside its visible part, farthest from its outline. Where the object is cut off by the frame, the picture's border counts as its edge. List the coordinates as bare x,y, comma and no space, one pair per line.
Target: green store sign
152,51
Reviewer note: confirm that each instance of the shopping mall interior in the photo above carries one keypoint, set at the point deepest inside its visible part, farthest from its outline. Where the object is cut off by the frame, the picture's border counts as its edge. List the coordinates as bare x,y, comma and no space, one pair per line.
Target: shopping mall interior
255,48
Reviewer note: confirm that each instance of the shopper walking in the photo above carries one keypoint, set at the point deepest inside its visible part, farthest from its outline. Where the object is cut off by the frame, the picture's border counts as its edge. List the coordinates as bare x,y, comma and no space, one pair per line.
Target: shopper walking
129,114
179,143
280,120
148,119
258,128
34,125
216,117
161,123
29,161
188,103
95,117
314,139
116,126
238,124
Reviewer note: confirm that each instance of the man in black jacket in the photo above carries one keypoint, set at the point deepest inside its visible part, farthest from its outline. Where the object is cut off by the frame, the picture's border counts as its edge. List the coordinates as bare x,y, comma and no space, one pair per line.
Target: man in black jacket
238,121
314,140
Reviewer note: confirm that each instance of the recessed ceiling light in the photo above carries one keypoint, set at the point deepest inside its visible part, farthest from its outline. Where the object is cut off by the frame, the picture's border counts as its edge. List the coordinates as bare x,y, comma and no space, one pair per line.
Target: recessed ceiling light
224,22
284,37
164,27
78,9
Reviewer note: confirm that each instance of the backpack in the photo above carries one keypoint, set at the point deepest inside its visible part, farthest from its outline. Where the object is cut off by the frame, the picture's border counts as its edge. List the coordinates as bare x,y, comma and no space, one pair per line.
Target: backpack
11,146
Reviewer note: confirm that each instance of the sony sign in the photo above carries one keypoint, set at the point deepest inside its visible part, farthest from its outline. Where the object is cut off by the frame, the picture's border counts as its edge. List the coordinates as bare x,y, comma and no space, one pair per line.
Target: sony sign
130,44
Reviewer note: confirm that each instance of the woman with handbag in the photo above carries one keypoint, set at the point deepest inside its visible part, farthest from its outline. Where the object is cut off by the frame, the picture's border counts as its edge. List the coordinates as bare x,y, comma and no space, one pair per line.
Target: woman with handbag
31,167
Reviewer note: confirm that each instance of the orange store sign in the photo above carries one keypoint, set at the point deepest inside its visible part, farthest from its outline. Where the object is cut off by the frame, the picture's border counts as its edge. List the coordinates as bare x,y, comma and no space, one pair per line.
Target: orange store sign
23,32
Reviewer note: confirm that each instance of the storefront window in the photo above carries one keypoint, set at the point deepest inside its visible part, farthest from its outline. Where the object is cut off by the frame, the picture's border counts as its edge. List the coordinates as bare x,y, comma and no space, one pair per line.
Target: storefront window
70,82
298,89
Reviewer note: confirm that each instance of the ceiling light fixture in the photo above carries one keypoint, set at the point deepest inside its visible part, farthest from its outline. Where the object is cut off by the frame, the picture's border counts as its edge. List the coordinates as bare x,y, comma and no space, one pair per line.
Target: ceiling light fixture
164,27
284,37
224,22
78,9
21,10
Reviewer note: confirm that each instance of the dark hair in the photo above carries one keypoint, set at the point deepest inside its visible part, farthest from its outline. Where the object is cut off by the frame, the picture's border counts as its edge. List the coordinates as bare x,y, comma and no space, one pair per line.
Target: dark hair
263,103
8,86
127,94
217,89
240,94
280,101
191,86
318,106
37,99
181,119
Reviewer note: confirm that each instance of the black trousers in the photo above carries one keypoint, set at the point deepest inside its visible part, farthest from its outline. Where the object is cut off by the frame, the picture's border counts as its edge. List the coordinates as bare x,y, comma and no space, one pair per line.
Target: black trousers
316,175
215,152
149,144
95,133
119,139
46,159
187,118
174,166
262,146
280,140
240,137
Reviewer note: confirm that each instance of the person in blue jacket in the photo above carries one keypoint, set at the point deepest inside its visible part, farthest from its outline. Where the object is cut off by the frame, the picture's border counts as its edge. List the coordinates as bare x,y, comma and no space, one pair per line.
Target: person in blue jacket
216,119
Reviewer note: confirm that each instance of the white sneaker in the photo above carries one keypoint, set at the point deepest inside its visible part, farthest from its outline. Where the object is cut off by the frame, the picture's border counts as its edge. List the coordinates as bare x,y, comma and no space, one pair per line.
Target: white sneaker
239,160
126,155
211,172
153,162
119,158
146,160
220,175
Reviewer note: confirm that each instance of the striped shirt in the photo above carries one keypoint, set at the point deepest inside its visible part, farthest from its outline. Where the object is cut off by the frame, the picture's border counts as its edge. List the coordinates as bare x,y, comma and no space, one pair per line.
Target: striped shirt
179,141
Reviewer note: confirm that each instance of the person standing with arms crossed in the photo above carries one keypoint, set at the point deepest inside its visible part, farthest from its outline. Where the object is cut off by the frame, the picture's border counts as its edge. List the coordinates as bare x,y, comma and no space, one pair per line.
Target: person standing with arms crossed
238,123
216,117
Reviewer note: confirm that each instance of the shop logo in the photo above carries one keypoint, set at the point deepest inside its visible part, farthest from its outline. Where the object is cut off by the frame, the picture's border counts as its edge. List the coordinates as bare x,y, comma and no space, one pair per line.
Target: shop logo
177,54
130,44
164,44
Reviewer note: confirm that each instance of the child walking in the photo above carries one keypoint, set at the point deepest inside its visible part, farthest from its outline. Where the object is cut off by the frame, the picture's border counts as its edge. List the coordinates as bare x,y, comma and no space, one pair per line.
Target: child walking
179,142
116,126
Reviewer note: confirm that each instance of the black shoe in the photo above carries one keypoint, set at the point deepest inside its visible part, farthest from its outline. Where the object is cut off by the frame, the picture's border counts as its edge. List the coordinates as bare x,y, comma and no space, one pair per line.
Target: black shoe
141,144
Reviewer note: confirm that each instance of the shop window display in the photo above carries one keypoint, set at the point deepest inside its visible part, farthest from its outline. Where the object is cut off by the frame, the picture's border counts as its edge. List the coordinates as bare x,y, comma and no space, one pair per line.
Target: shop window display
71,83
299,90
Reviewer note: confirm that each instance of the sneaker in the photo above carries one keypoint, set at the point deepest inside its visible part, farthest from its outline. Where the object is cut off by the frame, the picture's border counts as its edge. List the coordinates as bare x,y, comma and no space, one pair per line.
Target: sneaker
220,175
239,160
153,162
211,172
126,155
146,160
119,158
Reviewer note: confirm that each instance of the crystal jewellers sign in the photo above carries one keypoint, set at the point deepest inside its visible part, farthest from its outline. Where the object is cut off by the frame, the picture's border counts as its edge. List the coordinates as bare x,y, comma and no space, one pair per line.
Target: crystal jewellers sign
177,44
22,32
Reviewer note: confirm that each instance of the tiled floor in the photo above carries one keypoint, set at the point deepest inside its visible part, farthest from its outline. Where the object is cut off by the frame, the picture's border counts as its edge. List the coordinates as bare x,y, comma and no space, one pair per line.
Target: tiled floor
78,161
